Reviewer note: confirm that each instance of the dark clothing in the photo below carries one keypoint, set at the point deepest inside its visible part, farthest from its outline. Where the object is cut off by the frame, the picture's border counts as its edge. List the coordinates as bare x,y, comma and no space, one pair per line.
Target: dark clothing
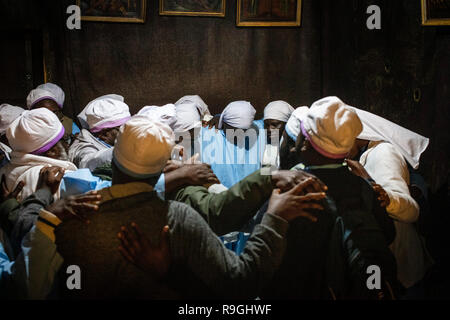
104,172
201,266
229,210
17,219
67,124
303,274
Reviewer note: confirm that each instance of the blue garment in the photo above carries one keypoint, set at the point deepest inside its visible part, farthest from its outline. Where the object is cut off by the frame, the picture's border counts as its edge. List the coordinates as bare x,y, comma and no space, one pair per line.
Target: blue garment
232,162
259,123
31,273
75,128
416,179
82,181
6,265
160,187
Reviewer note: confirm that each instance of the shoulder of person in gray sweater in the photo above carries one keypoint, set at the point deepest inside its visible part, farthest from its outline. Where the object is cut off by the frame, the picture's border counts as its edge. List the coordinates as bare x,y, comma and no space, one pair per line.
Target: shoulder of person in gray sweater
201,262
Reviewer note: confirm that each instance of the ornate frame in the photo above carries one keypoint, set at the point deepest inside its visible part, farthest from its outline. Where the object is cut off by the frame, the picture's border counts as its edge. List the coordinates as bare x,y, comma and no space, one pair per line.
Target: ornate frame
163,12
141,18
295,23
426,21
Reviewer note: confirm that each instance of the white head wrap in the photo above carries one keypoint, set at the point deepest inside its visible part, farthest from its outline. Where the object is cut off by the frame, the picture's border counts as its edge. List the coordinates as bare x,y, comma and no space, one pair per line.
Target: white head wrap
8,114
238,114
188,117
6,150
410,144
331,127
278,110
107,111
143,147
165,114
293,124
199,103
46,91
35,131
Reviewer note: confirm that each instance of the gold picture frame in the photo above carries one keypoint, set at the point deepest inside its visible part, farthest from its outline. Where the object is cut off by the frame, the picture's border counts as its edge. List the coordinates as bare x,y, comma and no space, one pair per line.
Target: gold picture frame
164,11
244,19
429,15
139,17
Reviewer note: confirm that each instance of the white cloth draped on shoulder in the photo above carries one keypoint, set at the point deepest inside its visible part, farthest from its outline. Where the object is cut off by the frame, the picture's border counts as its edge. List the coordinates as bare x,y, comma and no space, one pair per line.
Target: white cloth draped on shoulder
26,167
410,144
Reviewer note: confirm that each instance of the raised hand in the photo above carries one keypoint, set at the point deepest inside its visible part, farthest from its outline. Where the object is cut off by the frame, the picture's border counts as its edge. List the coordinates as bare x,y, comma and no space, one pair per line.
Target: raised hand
199,174
76,207
50,177
6,194
288,179
172,165
383,197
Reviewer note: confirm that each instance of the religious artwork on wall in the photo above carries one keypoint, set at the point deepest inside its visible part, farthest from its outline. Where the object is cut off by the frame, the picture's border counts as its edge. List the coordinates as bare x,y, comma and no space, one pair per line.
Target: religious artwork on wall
214,8
113,10
435,12
263,13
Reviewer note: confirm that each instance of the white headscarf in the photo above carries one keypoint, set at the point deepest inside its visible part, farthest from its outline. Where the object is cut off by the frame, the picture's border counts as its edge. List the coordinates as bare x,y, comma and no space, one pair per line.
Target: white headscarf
143,147
8,114
188,117
238,114
331,127
165,114
410,144
6,150
46,91
107,111
35,131
293,124
278,110
199,103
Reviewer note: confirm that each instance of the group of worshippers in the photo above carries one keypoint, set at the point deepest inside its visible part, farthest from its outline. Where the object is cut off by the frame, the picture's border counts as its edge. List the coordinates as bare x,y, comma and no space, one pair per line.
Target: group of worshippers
165,204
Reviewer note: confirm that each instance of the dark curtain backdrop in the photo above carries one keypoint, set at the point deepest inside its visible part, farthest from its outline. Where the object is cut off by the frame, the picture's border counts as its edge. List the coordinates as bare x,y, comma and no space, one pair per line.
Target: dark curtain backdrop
332,53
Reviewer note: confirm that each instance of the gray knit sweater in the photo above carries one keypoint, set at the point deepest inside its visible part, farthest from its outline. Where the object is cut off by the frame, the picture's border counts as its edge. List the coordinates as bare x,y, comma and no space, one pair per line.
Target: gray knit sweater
201,266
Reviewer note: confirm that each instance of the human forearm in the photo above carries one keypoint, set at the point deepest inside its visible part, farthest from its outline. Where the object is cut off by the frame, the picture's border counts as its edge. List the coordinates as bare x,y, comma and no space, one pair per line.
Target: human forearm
225,273
229,210
402,207
174,180
26,215
31,274
7,220
43,263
